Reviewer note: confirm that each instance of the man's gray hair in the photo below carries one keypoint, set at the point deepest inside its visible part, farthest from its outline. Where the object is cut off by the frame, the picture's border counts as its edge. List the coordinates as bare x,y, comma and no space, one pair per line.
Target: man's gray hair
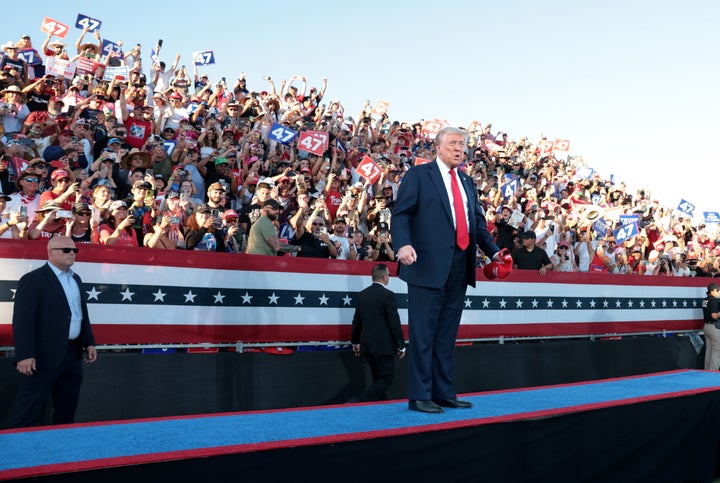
449,130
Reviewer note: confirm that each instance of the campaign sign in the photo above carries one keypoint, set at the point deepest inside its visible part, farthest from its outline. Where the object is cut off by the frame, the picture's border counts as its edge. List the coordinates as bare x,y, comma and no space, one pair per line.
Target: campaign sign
111,48
431,128
509,188
121,72
686,207
29,56
546,147
561,145
629,219
381,108
600,227
205,57
20,164
584,173
516,219
369,169
625,232
419,161
281,134
315,142
169,146
84,22
711,217
491,146
59,67
87,66
339,144
50,26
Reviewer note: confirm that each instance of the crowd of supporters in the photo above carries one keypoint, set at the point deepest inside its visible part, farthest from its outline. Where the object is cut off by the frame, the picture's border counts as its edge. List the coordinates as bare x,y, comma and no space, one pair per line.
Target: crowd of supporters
170,159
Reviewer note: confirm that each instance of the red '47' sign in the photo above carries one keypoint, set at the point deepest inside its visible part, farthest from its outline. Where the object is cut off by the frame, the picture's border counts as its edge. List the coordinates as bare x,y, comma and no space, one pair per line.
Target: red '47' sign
369,169
315,142
50,26
561,145
431,128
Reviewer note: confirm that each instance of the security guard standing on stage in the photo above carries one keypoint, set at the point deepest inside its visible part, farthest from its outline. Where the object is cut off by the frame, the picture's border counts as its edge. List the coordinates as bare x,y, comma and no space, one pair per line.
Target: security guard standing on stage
711,313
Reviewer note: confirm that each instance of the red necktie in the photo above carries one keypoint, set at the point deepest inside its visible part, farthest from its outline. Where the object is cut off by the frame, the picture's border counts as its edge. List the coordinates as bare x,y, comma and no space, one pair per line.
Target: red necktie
462,237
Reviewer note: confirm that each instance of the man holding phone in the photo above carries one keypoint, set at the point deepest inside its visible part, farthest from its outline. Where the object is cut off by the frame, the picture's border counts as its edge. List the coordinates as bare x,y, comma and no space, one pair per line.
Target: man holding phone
142,208
312,236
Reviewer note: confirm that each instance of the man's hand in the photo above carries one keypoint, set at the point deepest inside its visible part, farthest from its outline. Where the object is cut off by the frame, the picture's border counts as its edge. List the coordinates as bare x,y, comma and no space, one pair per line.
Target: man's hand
407,255
26,367
356,349
401,353
91,354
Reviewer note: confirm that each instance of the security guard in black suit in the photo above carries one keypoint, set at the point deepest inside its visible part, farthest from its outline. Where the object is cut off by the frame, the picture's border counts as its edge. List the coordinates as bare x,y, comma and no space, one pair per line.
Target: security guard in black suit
376,332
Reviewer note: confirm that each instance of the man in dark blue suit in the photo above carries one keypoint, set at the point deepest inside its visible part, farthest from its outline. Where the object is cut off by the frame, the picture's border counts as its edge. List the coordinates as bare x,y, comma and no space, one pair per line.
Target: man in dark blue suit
437,222
377,333
50,329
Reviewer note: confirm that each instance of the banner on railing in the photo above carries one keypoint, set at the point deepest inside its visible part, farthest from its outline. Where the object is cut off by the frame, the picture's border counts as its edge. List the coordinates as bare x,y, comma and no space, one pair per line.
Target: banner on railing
145,296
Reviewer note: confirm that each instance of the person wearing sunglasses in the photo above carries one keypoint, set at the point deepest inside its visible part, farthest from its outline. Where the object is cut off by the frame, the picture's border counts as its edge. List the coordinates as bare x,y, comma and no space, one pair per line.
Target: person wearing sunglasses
82,227
52,334
26,199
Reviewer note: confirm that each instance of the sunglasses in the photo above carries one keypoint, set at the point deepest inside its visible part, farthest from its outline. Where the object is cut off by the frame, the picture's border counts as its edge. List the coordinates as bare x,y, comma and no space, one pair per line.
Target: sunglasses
31,180
83,213
318,224
68,250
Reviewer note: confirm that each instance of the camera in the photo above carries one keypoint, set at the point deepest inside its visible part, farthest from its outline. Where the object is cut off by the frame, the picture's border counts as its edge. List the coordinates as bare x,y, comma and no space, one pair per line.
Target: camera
63,214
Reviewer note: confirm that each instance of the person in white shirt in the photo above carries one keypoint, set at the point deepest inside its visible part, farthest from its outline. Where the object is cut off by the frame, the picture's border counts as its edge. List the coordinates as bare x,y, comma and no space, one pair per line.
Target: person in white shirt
342,244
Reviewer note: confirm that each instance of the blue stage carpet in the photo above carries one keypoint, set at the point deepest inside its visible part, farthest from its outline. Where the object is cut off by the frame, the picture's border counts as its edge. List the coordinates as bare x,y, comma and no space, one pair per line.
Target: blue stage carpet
42,451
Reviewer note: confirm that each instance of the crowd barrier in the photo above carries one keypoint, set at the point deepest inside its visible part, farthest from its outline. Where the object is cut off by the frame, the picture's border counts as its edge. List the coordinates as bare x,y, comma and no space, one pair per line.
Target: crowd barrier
140,296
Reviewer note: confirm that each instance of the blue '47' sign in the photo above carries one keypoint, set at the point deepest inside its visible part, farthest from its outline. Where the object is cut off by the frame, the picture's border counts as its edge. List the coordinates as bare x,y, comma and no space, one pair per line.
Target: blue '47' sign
206,57
281,134
686,207
85,22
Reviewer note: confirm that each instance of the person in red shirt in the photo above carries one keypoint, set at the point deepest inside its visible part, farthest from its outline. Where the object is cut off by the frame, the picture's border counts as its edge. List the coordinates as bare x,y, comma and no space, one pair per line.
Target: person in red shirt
140,123
64,192
333,197
118,229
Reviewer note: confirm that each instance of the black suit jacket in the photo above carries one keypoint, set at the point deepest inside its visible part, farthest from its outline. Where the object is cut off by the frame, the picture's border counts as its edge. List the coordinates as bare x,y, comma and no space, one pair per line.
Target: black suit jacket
41,318
376,323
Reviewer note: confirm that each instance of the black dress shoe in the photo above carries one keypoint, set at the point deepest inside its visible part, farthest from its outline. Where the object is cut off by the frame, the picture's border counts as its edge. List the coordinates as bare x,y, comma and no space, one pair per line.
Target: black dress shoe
453,403
424,406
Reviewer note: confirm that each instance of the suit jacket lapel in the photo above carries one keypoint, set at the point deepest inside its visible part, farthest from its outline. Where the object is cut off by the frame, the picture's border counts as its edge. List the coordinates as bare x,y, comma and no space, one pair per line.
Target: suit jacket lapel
55,284
436,178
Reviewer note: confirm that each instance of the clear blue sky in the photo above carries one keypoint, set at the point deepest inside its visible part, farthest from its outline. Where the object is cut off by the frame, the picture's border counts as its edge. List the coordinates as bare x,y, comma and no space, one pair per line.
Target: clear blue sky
632,85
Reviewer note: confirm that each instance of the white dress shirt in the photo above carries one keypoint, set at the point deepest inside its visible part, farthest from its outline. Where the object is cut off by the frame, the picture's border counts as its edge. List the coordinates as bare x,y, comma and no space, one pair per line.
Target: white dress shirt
72,293
445,172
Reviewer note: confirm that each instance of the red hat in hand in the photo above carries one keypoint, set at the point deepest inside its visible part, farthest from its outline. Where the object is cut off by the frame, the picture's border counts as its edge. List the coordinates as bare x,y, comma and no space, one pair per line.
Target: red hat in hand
501,267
